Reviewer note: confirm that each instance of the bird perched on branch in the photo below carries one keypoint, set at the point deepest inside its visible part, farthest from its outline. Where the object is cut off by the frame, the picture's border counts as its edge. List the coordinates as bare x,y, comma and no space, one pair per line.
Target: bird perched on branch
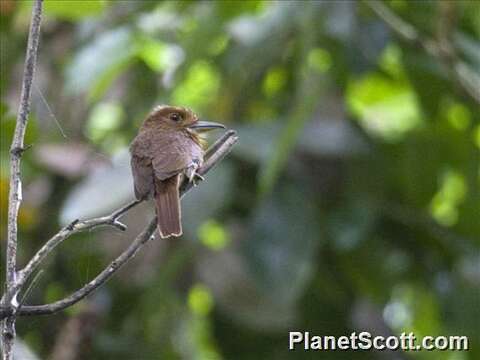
167,147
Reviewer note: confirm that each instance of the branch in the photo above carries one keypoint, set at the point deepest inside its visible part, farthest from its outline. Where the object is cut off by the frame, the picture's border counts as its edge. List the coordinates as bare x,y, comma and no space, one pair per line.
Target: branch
467,78
213,156
74,227
15,194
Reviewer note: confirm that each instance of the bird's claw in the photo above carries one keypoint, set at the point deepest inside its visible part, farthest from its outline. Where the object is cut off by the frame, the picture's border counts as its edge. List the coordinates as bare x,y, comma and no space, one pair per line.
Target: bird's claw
196,178
193,176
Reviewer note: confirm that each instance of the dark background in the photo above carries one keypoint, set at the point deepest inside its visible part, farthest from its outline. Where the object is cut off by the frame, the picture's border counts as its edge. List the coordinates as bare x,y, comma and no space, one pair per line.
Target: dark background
350,203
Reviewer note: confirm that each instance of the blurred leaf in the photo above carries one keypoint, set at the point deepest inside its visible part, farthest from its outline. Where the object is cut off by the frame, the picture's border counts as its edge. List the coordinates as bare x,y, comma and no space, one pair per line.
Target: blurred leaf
384,107
160,56
232,8
200,300
199,342
218,45
153,53
199,87
444,205
97,64
74,10
213,235
459,116
477,136
104,118
320,60
390,61
274,81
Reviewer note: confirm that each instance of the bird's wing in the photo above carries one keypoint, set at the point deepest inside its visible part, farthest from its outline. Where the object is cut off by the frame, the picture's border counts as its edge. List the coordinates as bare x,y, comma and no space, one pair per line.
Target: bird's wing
170,162
171,154
142,171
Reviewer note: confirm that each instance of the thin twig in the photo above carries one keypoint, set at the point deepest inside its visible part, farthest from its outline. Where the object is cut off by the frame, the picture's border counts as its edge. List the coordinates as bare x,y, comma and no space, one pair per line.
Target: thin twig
100,279
74,227
463,75
220,149
15,194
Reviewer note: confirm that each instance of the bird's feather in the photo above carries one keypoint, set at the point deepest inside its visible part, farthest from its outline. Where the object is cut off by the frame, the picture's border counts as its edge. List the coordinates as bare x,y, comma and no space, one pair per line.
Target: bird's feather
167,203
142,176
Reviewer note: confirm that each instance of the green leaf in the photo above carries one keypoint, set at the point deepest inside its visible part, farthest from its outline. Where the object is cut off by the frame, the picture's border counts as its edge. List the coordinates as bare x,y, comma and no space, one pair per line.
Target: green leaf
153,53
200,300
274,81
96,65
320,60
199,87
74,10
459,116
385,108
104,118
160,56
213,235
452,192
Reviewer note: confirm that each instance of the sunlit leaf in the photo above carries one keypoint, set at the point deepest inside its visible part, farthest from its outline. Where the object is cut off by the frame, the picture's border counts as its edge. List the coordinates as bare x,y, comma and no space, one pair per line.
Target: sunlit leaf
274,81
390,61
320,60
160,56
199,87
74,9
200,300
384,107
104,118
444,205
213,235
458,116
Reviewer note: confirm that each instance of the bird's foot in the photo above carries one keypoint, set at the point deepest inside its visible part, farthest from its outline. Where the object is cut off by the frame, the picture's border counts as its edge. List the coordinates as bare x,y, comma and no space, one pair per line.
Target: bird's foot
192,174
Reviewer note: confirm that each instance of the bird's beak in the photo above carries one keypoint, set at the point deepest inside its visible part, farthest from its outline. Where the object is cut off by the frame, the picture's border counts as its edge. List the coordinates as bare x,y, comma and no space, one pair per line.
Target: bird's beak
206,126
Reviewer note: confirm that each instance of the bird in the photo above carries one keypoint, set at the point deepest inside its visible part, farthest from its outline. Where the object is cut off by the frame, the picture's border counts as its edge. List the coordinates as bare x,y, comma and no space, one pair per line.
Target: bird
168,146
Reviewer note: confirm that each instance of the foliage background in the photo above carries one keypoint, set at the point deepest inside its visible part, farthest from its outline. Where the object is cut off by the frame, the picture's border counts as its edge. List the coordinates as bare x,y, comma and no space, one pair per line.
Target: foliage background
351,202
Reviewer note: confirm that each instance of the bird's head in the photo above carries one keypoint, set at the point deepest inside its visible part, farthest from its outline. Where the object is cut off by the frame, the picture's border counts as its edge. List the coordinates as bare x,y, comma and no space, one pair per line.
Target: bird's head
179,118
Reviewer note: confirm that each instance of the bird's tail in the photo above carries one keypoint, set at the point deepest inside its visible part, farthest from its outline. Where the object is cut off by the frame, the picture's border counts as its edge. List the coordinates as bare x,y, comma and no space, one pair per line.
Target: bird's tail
167,203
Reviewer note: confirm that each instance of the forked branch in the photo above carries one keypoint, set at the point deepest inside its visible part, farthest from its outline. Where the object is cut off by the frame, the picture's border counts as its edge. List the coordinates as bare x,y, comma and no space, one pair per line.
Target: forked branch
212,157
15,188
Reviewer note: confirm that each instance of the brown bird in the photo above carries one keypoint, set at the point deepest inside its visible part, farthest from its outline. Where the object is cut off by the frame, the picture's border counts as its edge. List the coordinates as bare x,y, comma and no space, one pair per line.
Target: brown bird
167,147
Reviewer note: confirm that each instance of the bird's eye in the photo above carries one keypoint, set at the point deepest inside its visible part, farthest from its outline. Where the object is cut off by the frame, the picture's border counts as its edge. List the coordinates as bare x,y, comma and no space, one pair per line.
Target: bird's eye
175,117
